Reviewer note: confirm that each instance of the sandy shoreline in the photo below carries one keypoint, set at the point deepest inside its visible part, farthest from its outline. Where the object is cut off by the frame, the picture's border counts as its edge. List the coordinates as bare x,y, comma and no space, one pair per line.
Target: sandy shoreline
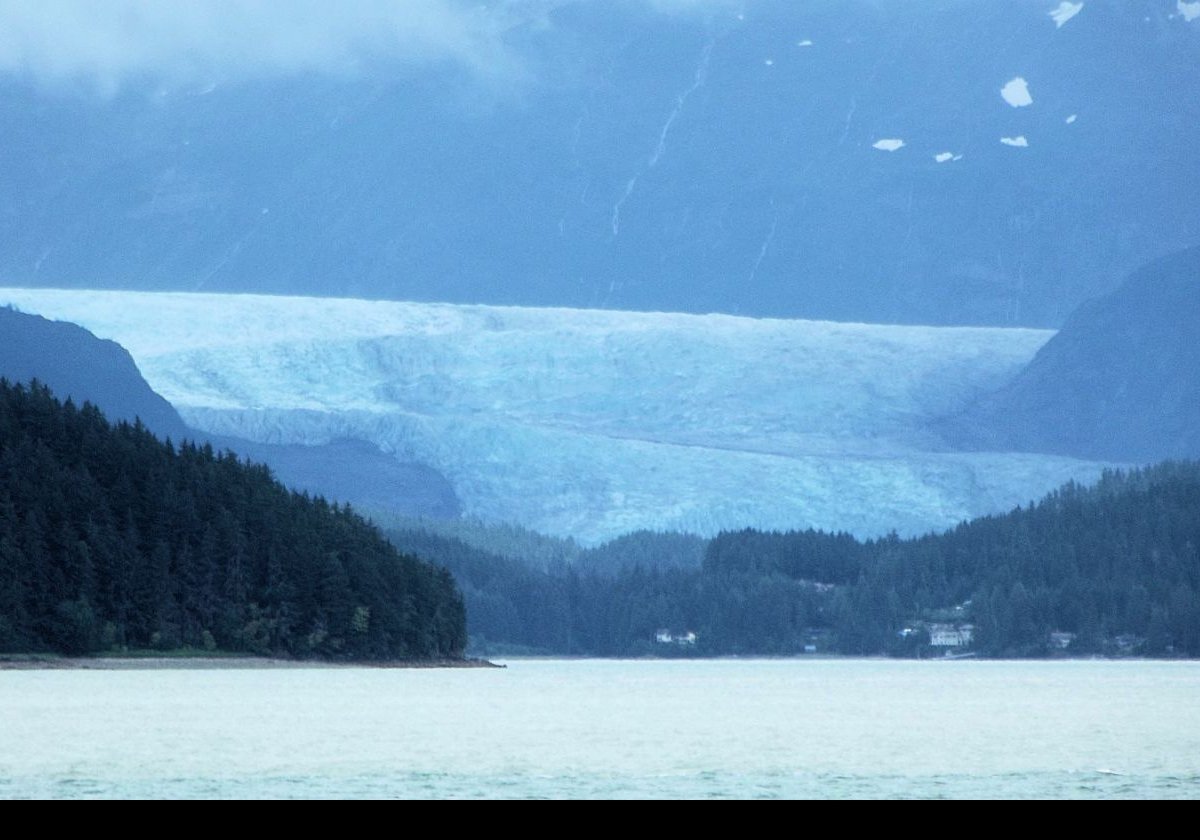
200,663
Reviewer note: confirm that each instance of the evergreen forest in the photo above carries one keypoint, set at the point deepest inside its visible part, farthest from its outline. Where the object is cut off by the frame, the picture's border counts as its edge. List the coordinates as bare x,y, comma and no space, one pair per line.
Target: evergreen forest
111,540
1112,569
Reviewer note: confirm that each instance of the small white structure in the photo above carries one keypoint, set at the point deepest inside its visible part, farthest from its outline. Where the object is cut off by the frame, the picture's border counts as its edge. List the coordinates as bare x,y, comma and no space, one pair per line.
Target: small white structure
950,635
666,637
1061,640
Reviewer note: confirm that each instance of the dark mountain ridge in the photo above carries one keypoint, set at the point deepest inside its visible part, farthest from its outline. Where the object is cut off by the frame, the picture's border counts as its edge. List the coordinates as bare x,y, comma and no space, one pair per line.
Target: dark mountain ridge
79,365
1119,382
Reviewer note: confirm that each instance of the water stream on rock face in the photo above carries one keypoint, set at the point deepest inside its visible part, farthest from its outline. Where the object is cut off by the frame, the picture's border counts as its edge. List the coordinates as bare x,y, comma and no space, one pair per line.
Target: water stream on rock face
620,729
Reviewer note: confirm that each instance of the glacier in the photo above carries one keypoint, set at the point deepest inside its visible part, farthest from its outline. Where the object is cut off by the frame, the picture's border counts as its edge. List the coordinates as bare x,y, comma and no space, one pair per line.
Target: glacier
593,423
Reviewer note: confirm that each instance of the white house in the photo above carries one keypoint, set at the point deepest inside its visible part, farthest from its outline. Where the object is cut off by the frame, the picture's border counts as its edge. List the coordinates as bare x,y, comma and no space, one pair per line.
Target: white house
950,635
666,637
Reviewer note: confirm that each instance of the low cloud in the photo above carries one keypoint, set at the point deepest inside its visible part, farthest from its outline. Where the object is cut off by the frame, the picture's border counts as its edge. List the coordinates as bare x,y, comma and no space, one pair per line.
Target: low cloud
107,43
694,6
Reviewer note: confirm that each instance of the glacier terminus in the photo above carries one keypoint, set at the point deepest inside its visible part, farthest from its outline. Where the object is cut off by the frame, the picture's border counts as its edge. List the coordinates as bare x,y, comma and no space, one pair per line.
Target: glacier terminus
594,423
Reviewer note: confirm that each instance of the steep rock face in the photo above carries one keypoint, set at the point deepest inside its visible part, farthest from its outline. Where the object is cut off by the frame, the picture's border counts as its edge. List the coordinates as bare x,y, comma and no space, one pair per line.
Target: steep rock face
1120,381
850,160
76,364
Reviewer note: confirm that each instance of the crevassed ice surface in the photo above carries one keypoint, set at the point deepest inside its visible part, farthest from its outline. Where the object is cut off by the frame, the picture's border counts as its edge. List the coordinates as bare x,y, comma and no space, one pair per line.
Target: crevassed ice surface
593,423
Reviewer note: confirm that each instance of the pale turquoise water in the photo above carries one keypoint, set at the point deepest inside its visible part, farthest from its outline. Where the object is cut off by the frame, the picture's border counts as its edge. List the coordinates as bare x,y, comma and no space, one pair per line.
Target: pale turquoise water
777,728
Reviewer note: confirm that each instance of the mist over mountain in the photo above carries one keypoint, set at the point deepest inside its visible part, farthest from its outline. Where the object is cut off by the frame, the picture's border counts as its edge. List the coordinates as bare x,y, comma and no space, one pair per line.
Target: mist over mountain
934,162
1120,381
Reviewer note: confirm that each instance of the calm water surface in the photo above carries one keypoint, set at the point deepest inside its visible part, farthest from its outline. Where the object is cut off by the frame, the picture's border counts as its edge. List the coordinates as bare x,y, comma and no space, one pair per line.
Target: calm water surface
744,728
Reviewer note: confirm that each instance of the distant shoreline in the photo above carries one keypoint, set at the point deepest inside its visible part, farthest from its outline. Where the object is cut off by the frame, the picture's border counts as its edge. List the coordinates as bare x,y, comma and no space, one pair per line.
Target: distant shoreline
34,662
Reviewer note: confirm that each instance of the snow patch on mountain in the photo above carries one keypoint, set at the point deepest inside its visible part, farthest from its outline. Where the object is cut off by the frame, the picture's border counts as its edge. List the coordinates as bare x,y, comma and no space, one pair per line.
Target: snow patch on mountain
1016,93
593,423
1064,12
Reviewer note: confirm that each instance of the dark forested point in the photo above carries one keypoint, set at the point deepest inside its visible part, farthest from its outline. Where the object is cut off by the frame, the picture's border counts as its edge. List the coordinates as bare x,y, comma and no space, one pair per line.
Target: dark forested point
111,540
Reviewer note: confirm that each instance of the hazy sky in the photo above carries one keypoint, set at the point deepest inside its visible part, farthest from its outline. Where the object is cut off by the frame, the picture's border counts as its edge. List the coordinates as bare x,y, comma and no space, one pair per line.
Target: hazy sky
103,44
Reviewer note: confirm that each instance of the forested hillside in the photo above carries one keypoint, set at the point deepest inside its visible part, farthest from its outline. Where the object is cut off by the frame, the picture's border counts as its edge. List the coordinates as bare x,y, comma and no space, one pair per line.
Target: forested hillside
1109,569
1116,564
113,540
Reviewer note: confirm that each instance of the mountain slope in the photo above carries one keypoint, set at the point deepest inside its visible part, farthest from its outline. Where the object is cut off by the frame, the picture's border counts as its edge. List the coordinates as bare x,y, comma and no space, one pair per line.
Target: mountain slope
354,471
698,157
1120,381
76,364
593,423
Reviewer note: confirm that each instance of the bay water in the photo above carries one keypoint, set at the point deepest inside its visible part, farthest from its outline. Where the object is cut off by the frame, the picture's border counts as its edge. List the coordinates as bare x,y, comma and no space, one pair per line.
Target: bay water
786,728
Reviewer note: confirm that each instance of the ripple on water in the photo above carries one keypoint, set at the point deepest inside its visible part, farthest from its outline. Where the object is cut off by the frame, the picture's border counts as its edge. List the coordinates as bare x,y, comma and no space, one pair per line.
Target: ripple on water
617,730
